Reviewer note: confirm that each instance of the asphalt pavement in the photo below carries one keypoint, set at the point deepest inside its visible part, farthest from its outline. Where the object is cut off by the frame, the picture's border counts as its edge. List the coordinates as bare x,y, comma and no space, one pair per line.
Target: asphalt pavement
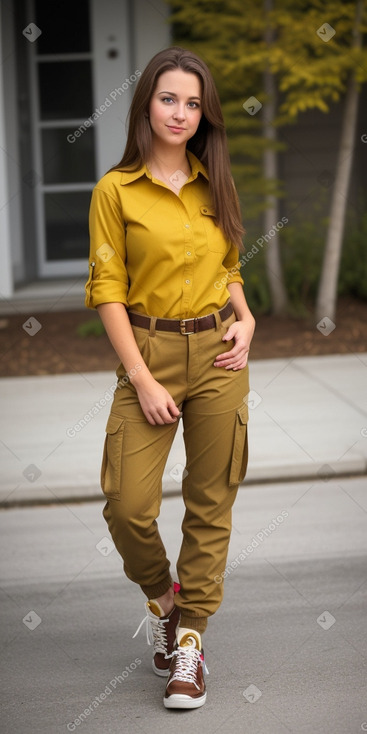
308,419
286,651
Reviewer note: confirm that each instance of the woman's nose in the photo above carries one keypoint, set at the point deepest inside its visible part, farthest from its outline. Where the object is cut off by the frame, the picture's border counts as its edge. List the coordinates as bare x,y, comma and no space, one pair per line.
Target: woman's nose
179,114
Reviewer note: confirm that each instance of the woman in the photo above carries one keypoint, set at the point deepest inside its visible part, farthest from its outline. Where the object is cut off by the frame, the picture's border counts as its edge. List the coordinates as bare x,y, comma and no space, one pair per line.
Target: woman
164,276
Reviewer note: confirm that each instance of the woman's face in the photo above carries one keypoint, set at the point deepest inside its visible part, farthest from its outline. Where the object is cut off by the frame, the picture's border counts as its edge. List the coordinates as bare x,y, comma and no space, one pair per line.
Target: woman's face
175,107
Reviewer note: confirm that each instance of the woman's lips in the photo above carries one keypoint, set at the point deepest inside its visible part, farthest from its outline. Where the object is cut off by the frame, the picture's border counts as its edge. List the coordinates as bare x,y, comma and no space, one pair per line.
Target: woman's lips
175,129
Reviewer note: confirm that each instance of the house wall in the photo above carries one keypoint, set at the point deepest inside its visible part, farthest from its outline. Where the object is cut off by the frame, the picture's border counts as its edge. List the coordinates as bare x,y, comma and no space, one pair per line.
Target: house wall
308,166
150,28
12,257
125,36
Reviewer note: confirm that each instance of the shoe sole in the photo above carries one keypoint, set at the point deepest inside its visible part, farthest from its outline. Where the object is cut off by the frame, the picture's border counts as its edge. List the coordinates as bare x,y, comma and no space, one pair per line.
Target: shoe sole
159,671
179,701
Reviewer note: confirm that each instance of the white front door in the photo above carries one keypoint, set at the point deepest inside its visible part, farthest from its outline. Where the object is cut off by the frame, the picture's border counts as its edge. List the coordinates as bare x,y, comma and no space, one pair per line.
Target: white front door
81,87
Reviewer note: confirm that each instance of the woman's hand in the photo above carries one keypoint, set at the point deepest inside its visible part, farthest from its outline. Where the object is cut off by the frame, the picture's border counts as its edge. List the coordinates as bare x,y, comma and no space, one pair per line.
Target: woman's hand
156,403
241,332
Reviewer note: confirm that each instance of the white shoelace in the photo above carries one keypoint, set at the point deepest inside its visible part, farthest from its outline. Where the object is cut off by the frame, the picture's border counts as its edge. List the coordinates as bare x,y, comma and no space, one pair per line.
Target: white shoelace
188,659
155,631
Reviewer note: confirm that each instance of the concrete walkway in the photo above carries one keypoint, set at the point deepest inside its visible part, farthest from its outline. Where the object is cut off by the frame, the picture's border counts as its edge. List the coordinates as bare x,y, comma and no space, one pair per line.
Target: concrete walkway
308,419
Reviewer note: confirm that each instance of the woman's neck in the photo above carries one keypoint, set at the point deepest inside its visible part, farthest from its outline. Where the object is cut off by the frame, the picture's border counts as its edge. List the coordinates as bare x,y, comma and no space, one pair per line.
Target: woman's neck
168,160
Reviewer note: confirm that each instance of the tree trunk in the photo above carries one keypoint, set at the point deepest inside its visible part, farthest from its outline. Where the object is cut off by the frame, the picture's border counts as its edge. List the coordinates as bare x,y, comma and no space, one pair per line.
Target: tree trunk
328,286
270,168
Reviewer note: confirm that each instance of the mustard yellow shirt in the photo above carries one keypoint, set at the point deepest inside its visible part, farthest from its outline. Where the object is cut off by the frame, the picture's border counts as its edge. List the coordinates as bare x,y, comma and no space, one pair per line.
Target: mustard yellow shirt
155,251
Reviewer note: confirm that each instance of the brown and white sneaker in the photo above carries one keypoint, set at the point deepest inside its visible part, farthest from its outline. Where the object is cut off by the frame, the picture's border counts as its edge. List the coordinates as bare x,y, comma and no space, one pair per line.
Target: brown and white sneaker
161,632
185,687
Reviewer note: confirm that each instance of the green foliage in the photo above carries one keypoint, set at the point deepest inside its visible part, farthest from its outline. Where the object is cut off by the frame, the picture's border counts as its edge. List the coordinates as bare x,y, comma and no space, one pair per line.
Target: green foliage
309,72
256,285
353,271
92,327
302,246
302,252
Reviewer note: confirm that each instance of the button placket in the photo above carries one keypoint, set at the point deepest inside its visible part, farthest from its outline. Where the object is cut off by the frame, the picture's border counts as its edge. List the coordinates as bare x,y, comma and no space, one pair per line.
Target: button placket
188,269
188,256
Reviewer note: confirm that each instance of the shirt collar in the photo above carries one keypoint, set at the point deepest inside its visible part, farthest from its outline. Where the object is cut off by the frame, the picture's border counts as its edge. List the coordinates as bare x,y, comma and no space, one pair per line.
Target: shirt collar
196,168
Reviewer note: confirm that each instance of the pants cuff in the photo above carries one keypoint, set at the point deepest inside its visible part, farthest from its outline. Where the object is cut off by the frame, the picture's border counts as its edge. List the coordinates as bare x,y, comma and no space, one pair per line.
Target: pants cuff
153,592
194,623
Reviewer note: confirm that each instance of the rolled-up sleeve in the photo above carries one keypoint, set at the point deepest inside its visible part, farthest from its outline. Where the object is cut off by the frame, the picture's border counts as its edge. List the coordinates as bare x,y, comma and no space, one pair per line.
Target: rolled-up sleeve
108,280
233,265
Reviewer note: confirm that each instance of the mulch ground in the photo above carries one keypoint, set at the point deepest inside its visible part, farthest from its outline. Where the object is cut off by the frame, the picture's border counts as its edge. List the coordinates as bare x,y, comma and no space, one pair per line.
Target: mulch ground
57,348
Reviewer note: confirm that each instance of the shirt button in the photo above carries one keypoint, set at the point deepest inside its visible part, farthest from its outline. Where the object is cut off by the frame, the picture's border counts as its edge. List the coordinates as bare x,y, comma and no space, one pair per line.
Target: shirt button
205,211
187,281
187,226
188,252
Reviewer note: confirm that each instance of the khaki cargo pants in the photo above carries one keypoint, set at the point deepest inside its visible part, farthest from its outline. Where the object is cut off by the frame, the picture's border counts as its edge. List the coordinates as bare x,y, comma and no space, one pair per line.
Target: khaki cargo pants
135,453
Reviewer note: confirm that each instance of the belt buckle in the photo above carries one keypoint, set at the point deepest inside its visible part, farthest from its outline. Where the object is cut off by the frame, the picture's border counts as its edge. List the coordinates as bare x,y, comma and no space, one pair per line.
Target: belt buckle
183,327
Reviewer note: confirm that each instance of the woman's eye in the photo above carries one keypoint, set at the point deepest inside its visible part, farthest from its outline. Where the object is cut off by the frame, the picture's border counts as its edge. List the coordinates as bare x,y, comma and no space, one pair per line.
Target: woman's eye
192,105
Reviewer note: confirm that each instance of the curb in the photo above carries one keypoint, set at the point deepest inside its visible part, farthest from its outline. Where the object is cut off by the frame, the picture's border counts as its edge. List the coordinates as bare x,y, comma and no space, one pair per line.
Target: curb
272,475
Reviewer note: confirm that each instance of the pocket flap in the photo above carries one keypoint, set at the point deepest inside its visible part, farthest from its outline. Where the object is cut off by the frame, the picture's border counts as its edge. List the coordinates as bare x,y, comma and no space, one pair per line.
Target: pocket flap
243,413
114,423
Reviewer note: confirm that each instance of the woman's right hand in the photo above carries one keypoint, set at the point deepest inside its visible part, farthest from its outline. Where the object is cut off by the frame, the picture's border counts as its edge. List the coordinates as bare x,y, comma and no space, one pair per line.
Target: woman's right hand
156,403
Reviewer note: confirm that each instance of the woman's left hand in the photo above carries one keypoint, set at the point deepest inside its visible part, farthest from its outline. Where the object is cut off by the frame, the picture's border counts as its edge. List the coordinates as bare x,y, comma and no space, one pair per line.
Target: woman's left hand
241,332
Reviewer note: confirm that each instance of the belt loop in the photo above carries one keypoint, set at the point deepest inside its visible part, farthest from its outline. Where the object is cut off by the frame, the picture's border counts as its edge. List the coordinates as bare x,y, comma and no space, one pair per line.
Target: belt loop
153,320
218,320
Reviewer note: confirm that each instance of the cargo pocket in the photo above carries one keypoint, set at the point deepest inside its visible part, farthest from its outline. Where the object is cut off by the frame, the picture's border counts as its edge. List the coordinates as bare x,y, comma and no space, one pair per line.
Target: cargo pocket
112,456
240,448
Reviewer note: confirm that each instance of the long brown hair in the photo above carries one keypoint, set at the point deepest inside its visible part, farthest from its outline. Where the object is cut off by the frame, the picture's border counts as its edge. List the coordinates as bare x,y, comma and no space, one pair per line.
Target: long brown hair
209,143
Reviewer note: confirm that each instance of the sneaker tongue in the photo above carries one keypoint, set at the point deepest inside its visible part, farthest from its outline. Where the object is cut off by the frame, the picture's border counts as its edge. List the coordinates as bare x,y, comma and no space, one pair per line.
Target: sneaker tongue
190,639
156,608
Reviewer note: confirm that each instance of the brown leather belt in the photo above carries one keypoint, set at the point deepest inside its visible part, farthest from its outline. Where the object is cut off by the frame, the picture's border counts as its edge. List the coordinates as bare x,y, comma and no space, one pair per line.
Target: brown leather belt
183,326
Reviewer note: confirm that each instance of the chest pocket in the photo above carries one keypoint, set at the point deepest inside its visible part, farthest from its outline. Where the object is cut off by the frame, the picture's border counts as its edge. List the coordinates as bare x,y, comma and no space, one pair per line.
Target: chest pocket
214,235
